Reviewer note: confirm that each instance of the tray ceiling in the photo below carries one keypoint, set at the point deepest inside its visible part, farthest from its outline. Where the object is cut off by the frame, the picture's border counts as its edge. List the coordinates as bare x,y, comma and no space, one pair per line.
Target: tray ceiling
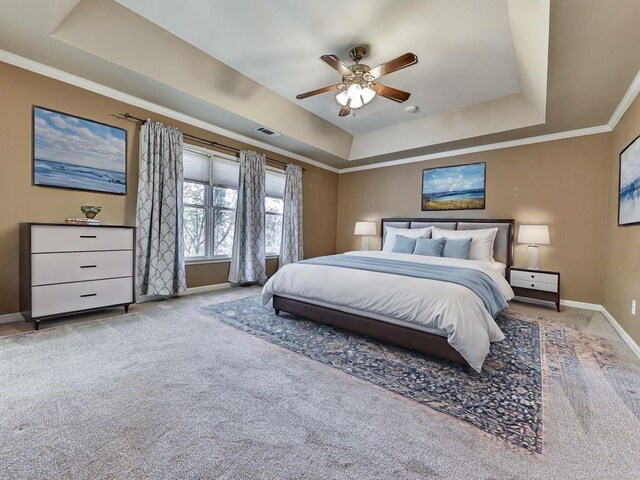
507,71
465,48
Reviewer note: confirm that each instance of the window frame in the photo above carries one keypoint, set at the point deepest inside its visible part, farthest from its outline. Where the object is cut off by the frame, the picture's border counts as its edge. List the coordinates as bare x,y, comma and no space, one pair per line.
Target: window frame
210,208
281,215
205,207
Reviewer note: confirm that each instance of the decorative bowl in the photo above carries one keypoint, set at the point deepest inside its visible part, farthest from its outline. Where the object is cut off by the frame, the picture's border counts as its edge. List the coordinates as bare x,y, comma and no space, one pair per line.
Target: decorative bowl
90,211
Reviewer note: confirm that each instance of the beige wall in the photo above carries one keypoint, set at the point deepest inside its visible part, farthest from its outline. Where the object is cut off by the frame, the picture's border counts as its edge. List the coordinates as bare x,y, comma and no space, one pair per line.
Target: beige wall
560,183
622,245
22,202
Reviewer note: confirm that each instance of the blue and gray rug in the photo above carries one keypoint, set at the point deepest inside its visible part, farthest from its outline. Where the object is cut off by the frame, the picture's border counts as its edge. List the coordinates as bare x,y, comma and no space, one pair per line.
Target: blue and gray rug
505,400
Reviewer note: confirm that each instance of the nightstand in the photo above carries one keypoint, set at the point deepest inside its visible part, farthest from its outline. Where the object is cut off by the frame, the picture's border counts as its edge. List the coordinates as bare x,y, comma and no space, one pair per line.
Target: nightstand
537,284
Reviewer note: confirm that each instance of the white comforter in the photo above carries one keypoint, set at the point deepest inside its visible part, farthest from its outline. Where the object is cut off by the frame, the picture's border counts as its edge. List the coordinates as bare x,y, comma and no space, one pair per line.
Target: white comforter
444,308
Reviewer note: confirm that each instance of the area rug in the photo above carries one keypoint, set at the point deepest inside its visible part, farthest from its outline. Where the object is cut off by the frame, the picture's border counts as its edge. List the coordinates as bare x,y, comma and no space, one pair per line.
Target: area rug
504,401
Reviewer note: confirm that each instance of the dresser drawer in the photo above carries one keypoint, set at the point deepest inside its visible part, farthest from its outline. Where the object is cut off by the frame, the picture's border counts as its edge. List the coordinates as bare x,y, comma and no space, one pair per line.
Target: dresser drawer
50,238
71,297
534,285
48,268
529,276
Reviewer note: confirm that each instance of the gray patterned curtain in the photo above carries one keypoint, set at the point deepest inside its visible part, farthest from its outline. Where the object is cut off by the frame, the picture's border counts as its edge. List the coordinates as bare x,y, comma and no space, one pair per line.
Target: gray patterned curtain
291,246
248,259
160,255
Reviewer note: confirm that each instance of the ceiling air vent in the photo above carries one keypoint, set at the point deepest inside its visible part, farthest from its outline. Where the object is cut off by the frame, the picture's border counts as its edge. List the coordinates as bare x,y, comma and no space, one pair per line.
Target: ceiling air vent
266,131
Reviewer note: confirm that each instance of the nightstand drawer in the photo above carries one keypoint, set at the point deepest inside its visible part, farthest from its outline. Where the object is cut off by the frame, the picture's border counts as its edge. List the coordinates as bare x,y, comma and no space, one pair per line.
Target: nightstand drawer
534,285
533,277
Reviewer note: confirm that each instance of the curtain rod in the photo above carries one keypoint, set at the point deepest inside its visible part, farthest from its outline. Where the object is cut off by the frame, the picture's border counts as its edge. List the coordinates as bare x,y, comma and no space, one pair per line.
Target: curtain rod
211,143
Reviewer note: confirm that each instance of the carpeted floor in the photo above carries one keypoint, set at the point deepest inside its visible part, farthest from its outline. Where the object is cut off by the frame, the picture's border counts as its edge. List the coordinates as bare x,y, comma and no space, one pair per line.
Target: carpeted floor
504,400
168,392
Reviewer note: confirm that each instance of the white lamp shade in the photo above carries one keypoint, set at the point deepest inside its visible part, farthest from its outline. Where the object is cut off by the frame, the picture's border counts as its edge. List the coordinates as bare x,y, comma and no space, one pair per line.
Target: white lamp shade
367,95
342,98
365,228
534,234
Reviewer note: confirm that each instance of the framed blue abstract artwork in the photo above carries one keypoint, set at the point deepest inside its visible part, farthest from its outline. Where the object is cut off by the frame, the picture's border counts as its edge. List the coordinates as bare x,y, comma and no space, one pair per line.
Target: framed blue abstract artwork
629,186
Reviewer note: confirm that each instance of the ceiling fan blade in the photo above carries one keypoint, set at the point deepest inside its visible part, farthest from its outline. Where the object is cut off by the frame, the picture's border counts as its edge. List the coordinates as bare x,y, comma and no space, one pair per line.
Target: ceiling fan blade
394,65
391,93
329,88
344,111
335,63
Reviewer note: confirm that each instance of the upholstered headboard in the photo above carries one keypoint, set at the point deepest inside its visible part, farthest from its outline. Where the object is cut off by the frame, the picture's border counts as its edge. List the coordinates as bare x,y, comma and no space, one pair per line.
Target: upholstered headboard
502,248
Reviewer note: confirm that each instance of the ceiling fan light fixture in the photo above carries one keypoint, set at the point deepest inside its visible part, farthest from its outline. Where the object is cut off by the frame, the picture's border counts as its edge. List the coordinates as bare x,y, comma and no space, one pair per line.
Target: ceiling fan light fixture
367,95
359,82
356,103
354,91
342,98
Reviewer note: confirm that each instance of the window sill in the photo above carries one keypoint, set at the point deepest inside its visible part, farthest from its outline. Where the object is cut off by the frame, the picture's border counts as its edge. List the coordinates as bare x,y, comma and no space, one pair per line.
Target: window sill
201,261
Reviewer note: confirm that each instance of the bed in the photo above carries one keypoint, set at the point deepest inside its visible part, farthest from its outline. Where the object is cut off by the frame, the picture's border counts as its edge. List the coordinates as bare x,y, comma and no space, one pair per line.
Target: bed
388,296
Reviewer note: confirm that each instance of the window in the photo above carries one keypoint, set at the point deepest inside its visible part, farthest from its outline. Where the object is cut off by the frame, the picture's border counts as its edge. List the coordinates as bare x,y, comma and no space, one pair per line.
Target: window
273,207
210,197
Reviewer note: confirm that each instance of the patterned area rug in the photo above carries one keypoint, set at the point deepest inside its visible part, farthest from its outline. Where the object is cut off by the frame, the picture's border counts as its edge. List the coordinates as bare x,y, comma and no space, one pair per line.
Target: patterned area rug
504,401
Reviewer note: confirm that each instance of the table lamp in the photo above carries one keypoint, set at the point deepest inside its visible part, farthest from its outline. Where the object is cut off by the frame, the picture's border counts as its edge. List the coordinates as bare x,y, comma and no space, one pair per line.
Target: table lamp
534,235
365,229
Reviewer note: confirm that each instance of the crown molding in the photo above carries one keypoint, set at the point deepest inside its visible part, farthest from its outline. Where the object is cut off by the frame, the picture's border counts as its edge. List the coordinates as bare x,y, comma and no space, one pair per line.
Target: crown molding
36,67
626,102
484,148
623,106
51,72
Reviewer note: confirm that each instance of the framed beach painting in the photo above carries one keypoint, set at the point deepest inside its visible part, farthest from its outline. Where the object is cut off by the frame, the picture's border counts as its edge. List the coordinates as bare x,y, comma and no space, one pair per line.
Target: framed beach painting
73,152
461,187
629,186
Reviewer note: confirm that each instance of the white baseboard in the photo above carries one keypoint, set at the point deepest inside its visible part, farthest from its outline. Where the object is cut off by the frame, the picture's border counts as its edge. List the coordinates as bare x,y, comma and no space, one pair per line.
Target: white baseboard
566,303
11,317
583,305
17,316
623,334
188,291
626,338
205,288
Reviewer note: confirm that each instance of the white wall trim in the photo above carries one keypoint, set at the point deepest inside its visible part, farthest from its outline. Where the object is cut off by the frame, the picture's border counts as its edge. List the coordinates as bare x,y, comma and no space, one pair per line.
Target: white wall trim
484,148
626,338
205,288
626,102
585,306
188,291
77,81
623,334
47,71
563,302
11,317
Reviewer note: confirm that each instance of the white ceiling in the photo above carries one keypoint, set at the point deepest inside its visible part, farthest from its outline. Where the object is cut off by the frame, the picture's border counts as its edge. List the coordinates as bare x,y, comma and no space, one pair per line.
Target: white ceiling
465,48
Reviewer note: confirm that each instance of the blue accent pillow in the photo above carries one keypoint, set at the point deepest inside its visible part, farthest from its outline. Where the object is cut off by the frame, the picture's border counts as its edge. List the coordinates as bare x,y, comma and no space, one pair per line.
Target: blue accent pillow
403,244
457,248
430,247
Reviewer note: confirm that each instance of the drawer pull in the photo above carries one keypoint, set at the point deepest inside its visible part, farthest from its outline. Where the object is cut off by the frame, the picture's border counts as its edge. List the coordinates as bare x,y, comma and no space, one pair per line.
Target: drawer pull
88,236
532,285
533,276
89,295
88,266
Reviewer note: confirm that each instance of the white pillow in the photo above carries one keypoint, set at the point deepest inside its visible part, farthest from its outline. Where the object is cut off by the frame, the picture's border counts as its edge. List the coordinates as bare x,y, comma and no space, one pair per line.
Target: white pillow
390,237
481,241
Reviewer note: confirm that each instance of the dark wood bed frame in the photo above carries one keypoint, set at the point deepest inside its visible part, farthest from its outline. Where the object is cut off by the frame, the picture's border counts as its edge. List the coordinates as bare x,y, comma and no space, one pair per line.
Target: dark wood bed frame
399,335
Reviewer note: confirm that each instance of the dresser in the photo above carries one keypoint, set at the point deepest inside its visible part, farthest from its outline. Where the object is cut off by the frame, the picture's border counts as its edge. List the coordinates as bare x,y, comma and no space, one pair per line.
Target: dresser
68,269
536,284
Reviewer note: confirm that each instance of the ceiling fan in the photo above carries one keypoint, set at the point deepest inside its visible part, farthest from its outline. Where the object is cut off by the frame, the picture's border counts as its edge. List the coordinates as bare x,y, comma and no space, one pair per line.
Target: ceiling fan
358,86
